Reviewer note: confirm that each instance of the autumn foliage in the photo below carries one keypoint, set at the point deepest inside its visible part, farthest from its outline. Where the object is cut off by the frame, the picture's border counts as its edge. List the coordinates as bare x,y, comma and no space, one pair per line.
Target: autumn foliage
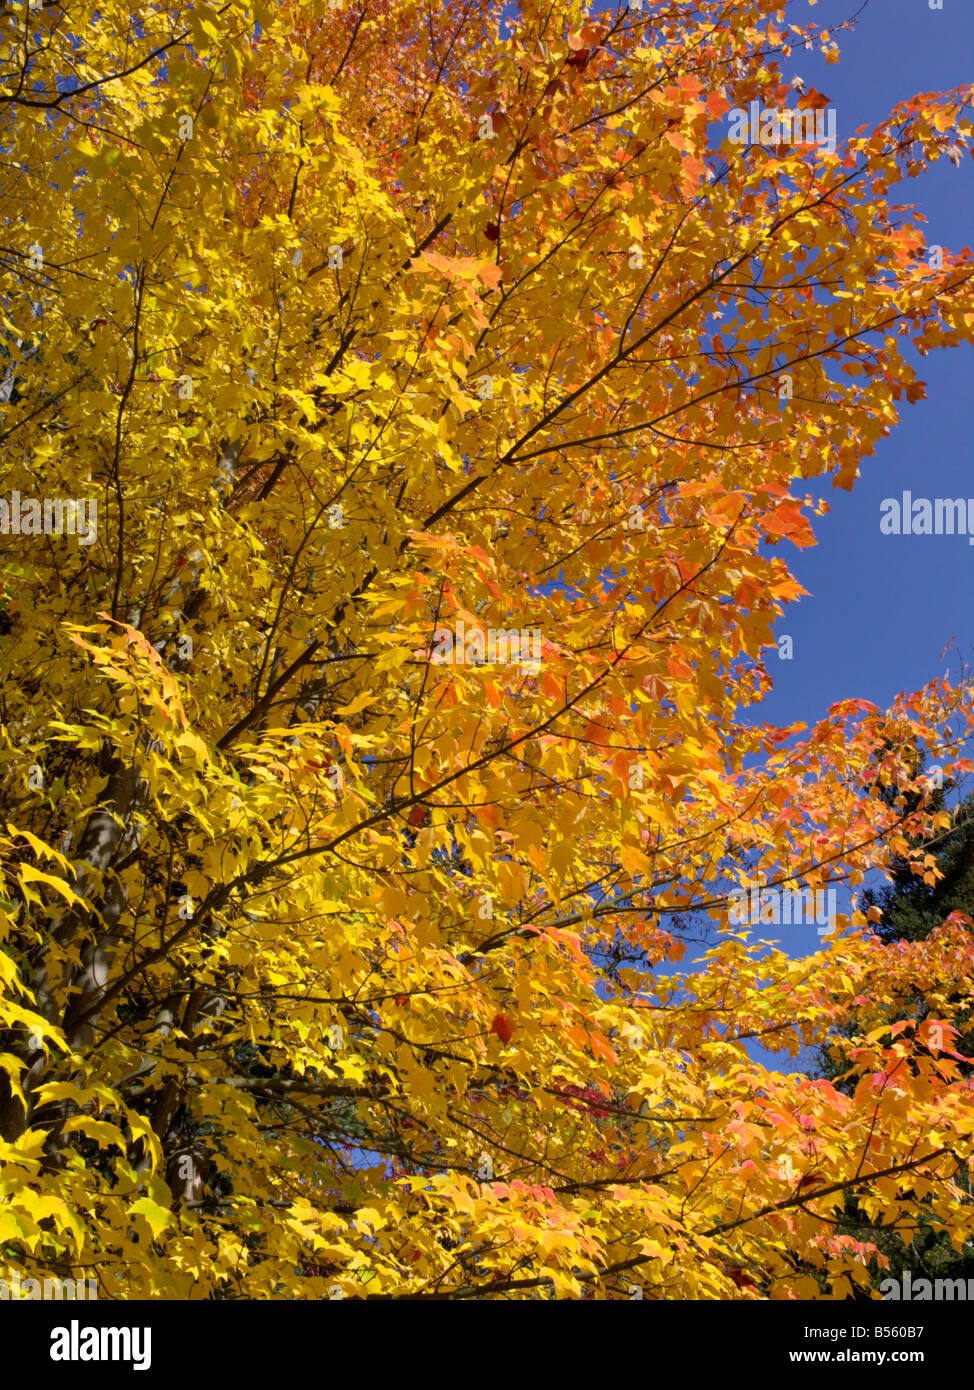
332,969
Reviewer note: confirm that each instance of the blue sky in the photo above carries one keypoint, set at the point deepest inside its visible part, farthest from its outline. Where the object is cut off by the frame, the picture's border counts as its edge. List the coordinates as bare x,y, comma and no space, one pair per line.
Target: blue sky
882,608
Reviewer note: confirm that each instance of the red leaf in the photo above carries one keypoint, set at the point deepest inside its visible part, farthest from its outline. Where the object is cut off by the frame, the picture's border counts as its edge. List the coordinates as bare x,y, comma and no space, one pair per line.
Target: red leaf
492,232
503,1027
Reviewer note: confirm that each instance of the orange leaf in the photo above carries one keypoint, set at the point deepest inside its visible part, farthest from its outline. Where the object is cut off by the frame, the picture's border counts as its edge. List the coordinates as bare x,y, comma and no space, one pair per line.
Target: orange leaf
503,1027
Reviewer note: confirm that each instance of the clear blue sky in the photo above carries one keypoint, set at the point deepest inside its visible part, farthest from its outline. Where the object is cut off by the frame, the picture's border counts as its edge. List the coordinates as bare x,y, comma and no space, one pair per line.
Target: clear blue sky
882,608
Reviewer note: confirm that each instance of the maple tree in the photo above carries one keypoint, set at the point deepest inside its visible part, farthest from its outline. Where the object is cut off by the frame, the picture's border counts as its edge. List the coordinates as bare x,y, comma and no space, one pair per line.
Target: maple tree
330,966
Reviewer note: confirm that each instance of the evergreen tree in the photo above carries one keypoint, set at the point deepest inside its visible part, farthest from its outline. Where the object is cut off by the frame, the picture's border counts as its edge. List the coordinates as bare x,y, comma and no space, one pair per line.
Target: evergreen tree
912,906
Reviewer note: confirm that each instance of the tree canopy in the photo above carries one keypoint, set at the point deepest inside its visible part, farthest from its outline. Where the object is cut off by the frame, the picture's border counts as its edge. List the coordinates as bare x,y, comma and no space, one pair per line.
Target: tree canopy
433,392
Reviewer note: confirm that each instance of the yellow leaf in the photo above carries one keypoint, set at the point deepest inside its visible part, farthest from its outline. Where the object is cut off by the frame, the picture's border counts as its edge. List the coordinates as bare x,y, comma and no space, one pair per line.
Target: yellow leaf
31,875
157,1218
